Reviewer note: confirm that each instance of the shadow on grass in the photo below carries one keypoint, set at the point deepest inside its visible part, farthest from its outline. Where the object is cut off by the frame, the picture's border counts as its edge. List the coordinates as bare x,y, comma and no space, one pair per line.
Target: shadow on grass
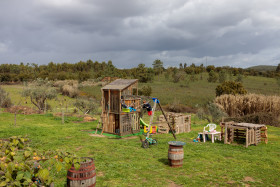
164,161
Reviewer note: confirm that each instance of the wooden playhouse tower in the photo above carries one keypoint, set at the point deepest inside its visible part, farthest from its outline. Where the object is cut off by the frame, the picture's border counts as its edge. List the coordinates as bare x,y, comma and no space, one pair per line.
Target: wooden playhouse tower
114,119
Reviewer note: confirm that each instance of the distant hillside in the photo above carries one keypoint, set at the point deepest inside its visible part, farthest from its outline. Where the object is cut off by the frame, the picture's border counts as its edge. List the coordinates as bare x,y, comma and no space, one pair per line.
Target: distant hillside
263,68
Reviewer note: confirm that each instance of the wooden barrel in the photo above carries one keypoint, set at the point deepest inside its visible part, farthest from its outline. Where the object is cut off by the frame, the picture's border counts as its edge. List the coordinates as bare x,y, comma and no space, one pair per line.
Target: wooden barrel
176,154
84,177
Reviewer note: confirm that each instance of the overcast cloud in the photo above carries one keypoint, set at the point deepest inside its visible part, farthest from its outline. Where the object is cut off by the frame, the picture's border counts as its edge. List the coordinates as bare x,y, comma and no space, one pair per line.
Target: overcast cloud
225,32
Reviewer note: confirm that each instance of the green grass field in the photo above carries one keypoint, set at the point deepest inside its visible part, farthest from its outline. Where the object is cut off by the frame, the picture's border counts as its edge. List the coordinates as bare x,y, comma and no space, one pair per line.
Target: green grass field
122,162
197,93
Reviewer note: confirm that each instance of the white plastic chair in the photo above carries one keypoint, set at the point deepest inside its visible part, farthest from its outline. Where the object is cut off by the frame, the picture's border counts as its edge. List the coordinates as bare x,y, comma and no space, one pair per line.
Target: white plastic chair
212,127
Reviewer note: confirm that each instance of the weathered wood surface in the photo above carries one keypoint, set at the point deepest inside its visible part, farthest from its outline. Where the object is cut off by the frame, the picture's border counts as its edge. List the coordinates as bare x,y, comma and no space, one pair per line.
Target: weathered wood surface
237,131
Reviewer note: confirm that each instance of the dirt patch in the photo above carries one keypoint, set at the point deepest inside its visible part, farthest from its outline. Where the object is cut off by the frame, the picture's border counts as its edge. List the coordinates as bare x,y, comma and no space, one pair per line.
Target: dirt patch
130,137
173,184
230,182
78,148
248,179
100,174
21,110
97,135
89,119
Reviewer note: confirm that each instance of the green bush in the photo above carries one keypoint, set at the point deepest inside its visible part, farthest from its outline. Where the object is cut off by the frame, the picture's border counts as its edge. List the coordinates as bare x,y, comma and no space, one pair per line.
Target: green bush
212,76
5,100
146,90
230,87
86,106
222,76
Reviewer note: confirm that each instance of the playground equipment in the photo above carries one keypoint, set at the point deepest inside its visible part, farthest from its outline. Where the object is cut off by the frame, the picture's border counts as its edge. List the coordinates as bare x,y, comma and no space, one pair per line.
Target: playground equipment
121,110
118,120
148,140
115,119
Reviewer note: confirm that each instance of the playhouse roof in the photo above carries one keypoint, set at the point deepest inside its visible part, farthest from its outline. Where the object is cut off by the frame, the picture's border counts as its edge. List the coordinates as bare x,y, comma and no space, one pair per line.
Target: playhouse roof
119,84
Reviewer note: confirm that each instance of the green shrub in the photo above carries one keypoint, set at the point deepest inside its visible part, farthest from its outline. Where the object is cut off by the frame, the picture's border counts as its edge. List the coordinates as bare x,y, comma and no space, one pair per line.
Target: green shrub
70,91
230,87
146,90
222,76
86,106
212,76
5,100
212,113
239,78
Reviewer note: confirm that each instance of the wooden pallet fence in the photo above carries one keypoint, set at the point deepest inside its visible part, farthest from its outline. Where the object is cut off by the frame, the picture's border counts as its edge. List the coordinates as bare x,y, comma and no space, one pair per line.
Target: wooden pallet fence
240,131
180,123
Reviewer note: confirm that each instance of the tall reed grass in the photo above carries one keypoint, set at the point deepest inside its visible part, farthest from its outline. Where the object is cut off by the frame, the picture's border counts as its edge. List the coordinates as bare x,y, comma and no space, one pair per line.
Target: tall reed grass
241,105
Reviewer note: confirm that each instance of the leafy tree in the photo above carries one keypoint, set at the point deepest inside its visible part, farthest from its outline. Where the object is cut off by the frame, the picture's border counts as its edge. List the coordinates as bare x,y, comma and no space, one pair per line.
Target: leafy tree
239,78
39,93
278,80
230,87
212,76
158,67
210,68
193,77
222,76
86,106
143,74
178,75
212,113
278,68
180,66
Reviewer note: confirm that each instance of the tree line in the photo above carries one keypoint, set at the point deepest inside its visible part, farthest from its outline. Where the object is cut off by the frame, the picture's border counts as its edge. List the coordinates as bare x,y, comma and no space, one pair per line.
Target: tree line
93,70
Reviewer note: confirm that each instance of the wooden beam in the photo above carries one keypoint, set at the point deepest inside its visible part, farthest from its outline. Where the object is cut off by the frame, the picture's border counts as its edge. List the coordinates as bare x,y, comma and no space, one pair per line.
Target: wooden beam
167,121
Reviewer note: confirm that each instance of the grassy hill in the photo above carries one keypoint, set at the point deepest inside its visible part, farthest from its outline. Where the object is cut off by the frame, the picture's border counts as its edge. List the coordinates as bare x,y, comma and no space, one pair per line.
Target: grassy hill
196,93
263,68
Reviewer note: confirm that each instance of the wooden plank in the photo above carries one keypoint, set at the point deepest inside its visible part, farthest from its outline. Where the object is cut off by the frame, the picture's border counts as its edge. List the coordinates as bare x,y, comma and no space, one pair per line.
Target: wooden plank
167,121
247,134
226,136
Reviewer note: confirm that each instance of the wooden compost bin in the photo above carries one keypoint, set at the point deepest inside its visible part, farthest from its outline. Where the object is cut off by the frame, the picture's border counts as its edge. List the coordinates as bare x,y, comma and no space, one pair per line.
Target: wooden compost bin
180,123
114,120
251,133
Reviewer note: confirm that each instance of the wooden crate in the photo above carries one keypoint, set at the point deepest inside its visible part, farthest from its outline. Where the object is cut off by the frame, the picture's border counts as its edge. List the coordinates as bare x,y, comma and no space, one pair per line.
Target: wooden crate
250,132
180,123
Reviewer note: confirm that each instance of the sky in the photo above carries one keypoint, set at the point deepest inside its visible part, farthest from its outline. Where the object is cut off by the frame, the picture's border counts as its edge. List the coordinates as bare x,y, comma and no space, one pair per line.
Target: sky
233,33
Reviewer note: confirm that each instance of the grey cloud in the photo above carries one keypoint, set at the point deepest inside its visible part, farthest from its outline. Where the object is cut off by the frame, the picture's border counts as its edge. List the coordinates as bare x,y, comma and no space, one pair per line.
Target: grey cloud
132,32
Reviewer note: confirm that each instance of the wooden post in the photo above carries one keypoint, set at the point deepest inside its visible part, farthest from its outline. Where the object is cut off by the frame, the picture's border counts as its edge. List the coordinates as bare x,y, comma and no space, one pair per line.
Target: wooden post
226,134
15,118
62,116
247,137
45,111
